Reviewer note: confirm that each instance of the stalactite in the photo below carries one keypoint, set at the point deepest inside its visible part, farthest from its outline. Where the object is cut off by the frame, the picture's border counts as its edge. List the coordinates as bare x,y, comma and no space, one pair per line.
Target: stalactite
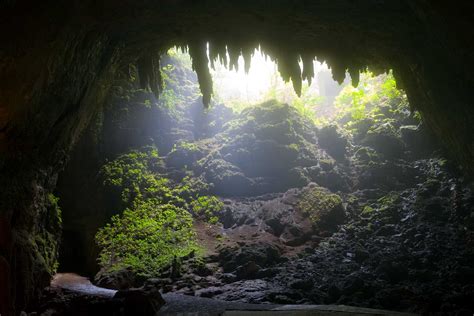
308,67
296,76
213,54
234,54
198,53
355,76
247,54
338,72
288,65
149,73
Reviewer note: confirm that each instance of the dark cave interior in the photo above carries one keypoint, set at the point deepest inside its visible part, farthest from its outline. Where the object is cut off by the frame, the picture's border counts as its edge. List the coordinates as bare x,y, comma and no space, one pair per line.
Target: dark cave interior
59,63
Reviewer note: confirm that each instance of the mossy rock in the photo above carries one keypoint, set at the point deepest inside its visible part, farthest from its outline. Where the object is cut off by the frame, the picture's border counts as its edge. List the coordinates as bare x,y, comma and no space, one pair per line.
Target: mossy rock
324,209
386,140
365,155
227,179
185,154
282,132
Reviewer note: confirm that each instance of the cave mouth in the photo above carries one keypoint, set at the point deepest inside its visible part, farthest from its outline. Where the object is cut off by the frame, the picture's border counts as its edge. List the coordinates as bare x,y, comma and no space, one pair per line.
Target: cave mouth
266,197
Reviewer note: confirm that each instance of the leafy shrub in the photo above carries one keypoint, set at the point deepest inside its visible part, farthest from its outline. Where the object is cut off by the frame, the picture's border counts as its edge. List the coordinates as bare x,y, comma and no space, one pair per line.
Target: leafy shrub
146,238
192,187
156,225
130,173
207,207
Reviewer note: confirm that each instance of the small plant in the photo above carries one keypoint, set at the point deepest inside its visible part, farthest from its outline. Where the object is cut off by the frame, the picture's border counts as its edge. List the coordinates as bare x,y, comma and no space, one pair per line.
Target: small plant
207,207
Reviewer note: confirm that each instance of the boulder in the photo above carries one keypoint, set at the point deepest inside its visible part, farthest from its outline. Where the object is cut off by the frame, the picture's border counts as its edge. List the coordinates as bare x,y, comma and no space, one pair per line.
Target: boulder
324,208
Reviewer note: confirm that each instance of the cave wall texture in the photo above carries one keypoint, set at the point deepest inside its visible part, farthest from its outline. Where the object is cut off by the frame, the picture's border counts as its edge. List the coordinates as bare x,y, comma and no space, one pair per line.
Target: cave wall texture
58,58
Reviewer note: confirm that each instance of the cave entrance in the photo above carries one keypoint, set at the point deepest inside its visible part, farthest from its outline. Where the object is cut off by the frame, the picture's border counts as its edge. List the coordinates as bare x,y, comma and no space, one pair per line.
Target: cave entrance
219,202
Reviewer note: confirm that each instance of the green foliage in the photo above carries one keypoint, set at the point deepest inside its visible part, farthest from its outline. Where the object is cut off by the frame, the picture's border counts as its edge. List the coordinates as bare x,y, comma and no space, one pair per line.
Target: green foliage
156,226
55,212
187,146
131,174
146,238
191,187
207,207
376,98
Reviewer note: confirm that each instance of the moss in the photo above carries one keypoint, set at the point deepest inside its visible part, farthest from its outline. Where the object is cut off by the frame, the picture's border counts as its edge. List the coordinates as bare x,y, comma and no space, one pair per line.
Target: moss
54,212
45,243
367,210
324,209
47,250
388,200
294,147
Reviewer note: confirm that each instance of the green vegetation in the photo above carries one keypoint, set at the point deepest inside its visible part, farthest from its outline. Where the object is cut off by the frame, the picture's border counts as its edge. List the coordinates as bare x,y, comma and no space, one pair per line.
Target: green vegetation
367,210
156,225
131,175
45,243
376,98
388,200
207,207
146,238
186,146
54,211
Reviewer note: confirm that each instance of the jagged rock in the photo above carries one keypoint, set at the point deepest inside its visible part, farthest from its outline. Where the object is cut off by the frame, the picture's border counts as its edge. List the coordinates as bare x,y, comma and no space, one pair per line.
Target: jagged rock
247,271
335,144
304,285
265,255
417,139
385,140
